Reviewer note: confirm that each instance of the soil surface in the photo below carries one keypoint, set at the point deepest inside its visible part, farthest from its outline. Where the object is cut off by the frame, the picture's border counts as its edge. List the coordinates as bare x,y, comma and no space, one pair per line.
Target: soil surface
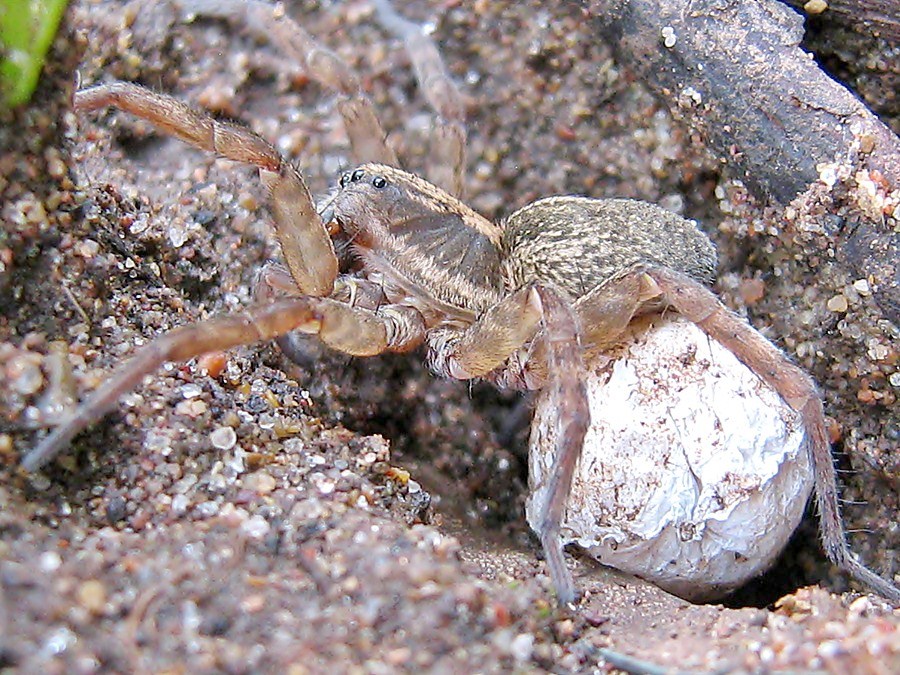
243,513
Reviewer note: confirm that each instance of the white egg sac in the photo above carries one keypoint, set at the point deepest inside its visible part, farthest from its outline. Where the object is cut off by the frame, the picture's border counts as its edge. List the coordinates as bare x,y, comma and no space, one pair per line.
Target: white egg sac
694,473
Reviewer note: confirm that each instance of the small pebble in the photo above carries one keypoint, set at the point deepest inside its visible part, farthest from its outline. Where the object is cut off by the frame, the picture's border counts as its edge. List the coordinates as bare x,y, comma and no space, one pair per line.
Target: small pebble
860,605
669,37
180,505
191,408
25,374
837,304
49,562
212,364
253,603
398,656
752,290
223,438
59,641
247,201
522,647
260,482
207,509
830,649
861,286
6,444
256,527
92,596
815,6
191,390
87,248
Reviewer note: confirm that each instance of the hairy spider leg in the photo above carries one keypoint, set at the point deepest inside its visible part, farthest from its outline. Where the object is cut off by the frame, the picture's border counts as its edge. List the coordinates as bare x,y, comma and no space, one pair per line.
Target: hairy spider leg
448,142
697,303
603,315
539,313
307,248
275,281
305,242
352,330
606,311
569,397
270,22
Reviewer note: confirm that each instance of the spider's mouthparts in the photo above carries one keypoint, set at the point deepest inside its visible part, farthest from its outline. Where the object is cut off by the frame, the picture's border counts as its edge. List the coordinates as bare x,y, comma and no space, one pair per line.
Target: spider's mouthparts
333,226
326,212
325,209
331,222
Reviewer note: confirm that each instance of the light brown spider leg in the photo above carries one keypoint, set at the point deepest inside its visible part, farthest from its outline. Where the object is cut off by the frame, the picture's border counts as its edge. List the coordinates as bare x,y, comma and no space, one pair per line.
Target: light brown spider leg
603,315
442,94
357,332
485,346
272,281
697,303
275,281
270,22
305,243
569,396
606,311
487,343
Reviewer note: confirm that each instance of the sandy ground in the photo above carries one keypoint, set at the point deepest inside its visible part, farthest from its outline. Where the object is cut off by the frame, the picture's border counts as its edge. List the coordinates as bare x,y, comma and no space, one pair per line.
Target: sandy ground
360,515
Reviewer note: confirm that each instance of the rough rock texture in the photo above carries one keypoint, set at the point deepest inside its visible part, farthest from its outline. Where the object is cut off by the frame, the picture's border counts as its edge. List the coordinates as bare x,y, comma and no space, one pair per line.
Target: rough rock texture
246,514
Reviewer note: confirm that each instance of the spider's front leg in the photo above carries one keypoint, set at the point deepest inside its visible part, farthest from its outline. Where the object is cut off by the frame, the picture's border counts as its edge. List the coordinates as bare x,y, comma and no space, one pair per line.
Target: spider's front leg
305,243
352,330
544,315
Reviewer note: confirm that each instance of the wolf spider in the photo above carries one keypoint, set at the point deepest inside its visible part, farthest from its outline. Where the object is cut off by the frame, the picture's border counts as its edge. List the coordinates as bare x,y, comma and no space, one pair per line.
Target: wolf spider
391,262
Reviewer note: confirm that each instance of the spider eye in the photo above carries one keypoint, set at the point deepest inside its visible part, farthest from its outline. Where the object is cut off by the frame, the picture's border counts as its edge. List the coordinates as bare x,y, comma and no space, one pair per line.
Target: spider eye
356,175
345,178
379,182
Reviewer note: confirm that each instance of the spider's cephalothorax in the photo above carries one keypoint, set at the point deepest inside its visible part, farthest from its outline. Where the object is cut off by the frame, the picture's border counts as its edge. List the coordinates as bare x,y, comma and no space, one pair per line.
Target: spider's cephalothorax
431,249
522,304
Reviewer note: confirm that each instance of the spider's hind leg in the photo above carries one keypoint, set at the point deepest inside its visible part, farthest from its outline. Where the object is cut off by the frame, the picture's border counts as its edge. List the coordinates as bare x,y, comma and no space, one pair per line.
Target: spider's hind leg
694,301
368,140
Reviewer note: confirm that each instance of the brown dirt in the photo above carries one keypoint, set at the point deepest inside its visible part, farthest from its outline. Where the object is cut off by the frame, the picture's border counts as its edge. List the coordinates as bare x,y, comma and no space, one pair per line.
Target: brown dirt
158,546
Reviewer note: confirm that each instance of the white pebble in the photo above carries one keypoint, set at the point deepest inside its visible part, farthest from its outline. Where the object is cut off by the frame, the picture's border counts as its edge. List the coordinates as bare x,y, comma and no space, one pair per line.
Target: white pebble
179,505
59,641
522,647
256,527
191,390
669,37
49,562
223,438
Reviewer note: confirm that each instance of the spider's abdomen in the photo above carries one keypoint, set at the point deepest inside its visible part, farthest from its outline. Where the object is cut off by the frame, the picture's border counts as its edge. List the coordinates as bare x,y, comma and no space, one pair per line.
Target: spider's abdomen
578,243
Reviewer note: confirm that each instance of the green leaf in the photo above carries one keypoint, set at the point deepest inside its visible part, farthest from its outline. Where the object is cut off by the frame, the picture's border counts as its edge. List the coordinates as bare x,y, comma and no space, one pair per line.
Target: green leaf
27,28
